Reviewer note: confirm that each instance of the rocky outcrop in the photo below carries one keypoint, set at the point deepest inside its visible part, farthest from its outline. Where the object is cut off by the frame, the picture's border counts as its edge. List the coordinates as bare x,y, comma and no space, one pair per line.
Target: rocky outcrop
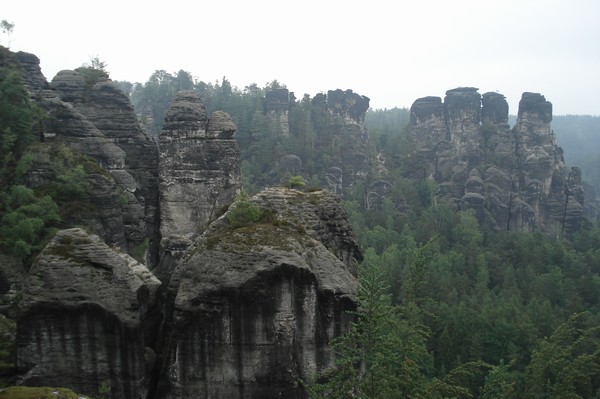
199,166
85,318
110,112
277,109
254,308
511,178
28,66
12,280
346,138
89,199
88,114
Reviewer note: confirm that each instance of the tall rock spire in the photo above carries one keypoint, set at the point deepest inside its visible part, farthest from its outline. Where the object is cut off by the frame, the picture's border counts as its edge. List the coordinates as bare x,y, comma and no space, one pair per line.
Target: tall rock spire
199,167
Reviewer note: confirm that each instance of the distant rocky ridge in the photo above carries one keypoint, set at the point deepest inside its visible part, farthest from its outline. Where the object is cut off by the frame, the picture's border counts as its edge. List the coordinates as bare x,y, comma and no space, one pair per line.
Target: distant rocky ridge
347,141
513,179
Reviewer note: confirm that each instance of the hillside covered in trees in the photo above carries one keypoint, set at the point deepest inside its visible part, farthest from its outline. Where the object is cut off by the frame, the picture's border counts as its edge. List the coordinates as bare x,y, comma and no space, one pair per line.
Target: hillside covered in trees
448,308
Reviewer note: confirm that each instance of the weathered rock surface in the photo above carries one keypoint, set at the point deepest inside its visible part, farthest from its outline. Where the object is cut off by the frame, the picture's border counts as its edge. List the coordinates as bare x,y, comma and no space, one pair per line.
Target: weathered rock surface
344,139
106,107
254,308
512,179
83,318
12,280
349,139
277,109
199,166
95,119
98,206
28,66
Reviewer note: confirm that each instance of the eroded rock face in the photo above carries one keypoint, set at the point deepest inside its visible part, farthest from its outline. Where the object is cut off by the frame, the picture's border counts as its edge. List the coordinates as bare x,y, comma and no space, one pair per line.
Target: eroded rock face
255,308
110,112
83,318
511,179
199,166
347,141
99,209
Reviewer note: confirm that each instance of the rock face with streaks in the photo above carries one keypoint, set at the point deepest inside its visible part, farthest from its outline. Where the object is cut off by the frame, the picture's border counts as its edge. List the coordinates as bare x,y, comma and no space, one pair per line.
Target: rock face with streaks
242,310
254,308
86,318
513,179
199,166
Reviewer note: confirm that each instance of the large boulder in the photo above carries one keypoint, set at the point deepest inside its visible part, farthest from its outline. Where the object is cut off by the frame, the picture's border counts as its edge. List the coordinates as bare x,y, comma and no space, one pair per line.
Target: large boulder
83,318
254,308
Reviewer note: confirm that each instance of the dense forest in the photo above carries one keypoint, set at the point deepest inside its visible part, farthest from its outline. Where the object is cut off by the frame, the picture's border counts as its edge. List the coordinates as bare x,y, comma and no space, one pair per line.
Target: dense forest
447,309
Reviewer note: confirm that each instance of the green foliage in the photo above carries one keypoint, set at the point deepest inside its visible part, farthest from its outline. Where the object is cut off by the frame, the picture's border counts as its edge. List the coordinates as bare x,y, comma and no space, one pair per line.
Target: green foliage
567,364
93,72
7,29
500,383
26,220
384,355
17,120
139,253
243,211
296,181
104,390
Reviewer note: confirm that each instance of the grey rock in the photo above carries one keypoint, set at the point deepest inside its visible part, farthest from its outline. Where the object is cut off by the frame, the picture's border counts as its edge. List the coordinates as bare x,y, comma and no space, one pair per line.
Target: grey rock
277,109
255,308
466,145
111,113
82,318
12,281
199,169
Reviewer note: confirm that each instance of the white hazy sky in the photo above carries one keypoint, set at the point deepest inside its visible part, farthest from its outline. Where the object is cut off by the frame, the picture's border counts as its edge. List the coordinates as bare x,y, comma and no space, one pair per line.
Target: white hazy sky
390,51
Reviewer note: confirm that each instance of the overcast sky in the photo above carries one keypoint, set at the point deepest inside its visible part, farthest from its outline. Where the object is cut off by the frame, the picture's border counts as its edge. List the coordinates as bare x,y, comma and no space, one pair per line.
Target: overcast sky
390,51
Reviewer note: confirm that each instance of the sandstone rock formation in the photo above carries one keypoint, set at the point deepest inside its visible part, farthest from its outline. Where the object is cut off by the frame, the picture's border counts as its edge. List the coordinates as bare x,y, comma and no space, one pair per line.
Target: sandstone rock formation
512,179
28,66
254,308
111,113
248,310
96,120
199,166
277,109
85,318
343,137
